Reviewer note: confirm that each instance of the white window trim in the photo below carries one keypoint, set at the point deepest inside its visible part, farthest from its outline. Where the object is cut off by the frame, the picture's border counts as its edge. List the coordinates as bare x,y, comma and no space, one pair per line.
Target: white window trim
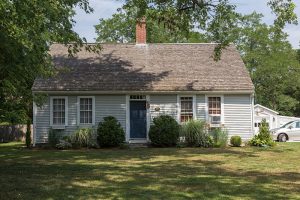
127,138
179,106
148,115
66,111
93,111
222,107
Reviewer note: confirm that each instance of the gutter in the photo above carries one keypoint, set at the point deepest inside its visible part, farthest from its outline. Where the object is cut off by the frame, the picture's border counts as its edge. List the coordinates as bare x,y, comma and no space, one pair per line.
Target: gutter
144,92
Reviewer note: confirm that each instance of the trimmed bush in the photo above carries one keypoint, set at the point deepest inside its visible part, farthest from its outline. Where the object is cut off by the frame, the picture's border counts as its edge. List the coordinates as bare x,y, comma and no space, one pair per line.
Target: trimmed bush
82,138
264,137
54,136
220,137
110,133
195,134
236,141
63,144
164,132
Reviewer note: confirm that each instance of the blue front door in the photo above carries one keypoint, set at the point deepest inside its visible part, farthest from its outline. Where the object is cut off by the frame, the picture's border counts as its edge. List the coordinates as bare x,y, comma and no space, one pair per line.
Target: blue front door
138,120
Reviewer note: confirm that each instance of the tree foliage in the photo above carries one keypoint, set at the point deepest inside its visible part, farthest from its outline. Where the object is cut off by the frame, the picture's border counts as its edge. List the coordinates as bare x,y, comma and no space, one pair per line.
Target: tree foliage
120,28
272,63
217,17
27,29
264,137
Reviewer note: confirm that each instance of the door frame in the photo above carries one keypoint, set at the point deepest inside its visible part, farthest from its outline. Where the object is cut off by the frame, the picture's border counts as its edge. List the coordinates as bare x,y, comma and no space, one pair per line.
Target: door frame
127,135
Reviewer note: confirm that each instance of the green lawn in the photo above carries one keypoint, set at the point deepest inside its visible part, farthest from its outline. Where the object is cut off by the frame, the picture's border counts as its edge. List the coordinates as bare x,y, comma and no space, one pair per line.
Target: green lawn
150,173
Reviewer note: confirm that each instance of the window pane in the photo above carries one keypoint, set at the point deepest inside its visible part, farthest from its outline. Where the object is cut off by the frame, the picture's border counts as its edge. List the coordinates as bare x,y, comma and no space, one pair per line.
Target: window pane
86,110
186,111
90,118
81,107
214,105
58,111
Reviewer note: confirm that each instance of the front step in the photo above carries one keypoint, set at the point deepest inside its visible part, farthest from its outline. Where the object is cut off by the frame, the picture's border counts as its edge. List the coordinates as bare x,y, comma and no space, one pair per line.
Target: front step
138,143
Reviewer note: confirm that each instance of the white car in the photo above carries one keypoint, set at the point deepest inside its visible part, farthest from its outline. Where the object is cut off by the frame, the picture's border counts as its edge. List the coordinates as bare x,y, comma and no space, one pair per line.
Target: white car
287,132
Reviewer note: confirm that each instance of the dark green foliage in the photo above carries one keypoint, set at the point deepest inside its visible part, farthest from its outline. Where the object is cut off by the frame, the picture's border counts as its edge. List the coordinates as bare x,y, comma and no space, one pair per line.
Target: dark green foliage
217,18
54,136
164,132
264,137
27,29
236,141
195,134
28,138
220,137
121,27
110,132
124,146
28,134
272,63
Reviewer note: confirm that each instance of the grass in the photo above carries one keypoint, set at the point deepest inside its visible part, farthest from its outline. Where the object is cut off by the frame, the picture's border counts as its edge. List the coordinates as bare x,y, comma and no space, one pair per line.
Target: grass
154,173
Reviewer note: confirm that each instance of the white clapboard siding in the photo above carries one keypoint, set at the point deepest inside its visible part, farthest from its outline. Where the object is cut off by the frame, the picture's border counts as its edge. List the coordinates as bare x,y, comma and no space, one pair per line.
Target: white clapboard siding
237,112
167,105
200,107
72,116
105,105
42,122
110,105
238,116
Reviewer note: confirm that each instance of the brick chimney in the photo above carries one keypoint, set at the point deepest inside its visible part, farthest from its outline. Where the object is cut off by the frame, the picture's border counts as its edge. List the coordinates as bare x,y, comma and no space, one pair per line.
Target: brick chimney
141,33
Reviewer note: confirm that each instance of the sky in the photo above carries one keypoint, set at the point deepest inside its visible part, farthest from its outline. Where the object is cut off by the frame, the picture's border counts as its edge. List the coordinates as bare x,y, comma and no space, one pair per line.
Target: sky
105,8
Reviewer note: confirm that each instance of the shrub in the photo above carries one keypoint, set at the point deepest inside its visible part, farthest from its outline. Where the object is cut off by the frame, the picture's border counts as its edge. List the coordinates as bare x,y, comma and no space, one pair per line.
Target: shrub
264,137
220,137
82,138
110,133
63,144
54,136
236,141
195,134
164,131
124,146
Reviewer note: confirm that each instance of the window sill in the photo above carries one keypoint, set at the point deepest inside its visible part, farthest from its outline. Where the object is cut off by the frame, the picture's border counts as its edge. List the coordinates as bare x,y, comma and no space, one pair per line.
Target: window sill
86,125
216,125
59,127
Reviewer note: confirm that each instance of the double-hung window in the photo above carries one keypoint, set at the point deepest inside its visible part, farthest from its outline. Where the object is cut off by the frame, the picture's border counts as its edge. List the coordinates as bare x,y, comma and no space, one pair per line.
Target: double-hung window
86,110
58,111
186,108
214,110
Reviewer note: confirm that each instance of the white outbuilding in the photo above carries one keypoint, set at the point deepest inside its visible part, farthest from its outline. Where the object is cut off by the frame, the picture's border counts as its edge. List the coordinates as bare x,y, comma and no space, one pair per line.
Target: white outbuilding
272,117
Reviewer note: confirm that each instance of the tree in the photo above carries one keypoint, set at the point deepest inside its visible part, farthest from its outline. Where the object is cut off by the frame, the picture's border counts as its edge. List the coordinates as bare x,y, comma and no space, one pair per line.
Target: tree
27,29
120,28
272,63
28,133
217,17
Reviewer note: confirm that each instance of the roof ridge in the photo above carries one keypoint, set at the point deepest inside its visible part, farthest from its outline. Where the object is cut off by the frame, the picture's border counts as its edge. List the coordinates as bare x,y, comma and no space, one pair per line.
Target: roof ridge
200,43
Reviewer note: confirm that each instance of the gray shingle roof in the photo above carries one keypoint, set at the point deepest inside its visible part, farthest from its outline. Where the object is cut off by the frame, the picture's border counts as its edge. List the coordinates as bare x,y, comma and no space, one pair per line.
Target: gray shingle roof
154,67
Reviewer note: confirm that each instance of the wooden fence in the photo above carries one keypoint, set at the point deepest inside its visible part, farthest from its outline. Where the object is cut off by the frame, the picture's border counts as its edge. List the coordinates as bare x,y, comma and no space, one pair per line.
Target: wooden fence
13,133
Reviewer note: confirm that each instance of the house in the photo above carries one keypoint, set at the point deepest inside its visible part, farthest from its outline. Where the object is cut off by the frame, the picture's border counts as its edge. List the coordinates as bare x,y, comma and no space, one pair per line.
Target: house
137,82
271,116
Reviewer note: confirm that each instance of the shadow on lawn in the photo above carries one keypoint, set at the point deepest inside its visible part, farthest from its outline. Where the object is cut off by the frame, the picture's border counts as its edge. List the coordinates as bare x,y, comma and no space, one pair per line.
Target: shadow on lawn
137,174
